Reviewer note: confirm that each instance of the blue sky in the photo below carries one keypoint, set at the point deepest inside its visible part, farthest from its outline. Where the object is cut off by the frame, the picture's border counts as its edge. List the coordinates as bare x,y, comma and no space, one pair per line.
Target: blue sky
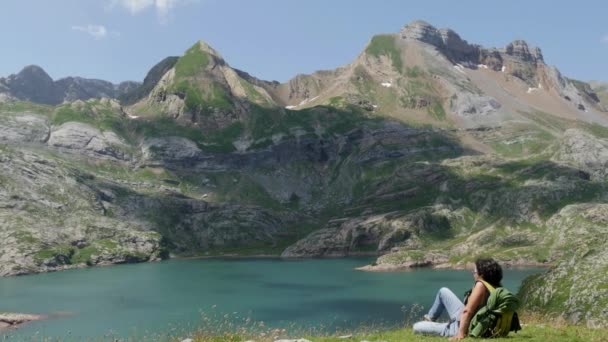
121,40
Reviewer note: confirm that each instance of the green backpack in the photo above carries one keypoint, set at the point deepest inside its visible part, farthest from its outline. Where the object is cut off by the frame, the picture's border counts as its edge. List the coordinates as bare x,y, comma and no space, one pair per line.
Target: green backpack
498,316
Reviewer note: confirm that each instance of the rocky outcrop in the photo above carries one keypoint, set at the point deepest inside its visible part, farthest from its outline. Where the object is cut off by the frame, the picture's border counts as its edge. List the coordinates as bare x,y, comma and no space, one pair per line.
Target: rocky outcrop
519,49
80,138
13,320
446,40
24,128
584,151
170,149
469,104
374,234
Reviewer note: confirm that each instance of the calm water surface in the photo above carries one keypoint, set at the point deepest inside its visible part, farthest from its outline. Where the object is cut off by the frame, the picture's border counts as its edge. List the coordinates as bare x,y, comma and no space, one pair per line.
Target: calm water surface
144,299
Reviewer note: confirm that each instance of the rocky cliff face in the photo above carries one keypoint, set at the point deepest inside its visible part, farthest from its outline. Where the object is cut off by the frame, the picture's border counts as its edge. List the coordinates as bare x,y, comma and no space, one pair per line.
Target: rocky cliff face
50,220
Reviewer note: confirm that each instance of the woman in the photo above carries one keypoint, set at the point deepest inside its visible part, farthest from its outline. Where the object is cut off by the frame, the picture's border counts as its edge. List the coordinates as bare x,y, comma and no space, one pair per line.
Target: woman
459,313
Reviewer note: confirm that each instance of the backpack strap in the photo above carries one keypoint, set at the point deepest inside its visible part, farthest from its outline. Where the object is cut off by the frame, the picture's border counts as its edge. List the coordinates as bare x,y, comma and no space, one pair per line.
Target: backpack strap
488,286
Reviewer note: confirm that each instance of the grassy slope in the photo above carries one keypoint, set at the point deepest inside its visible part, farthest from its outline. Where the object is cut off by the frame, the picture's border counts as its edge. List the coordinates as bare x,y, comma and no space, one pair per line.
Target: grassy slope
384,45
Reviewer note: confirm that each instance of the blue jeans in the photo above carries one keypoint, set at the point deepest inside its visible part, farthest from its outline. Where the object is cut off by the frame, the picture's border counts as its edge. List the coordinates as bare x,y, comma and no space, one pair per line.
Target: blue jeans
446,301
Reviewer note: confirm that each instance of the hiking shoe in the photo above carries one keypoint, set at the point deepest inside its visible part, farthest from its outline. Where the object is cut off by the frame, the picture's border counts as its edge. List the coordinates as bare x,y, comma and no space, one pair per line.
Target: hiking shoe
428,318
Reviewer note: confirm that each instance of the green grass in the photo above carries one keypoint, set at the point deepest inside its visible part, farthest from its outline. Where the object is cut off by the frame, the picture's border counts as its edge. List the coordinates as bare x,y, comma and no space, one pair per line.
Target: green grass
436,111
83,255
414,71
595,129
536,332
62,250
252,93
107,244
384,45
536,142
337,102
22,106
200,100
72,255
192,62
69,114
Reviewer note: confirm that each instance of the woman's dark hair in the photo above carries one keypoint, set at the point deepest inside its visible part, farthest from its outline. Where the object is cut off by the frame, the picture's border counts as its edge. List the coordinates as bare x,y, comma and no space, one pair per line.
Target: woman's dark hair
489,270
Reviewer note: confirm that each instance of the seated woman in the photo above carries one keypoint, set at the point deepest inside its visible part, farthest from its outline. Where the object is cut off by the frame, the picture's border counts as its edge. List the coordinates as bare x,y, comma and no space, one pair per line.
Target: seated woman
459,313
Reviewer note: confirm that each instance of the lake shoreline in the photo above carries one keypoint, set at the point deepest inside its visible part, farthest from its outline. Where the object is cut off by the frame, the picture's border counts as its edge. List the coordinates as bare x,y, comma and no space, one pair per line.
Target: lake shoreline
274,256
408,266
412,266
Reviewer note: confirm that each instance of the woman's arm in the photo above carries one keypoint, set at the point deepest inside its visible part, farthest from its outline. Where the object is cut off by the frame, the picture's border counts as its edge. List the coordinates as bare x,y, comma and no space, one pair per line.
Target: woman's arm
475,300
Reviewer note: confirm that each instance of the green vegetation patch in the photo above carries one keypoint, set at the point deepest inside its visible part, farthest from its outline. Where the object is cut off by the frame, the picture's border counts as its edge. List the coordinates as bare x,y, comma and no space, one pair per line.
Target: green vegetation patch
199,100
64,251
23,106
414,71
83,255
192,62
215,141
436,111
69,114
252,93
25,237
337,101
107,244
533,142
95,113
264,122
384,45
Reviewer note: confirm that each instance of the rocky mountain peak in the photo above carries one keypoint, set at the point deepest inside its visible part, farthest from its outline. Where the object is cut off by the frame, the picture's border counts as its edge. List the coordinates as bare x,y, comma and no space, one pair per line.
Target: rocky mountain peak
32,73
422,31
521,50
211,52
446,40
32,83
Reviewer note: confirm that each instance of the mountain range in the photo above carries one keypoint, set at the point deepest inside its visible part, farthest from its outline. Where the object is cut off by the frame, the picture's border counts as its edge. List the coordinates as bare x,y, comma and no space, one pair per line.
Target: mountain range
426,150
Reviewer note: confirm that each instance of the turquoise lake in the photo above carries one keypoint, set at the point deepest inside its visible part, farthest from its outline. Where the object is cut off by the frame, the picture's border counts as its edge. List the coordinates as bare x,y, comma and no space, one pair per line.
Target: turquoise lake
167,298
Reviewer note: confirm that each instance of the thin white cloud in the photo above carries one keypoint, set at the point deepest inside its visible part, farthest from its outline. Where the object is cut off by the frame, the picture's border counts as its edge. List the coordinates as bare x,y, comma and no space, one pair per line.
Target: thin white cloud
134,6
163,7
605,39
95,31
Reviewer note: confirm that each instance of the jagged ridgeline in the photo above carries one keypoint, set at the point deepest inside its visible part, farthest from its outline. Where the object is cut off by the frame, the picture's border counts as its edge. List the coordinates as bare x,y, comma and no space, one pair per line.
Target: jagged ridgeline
425,150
